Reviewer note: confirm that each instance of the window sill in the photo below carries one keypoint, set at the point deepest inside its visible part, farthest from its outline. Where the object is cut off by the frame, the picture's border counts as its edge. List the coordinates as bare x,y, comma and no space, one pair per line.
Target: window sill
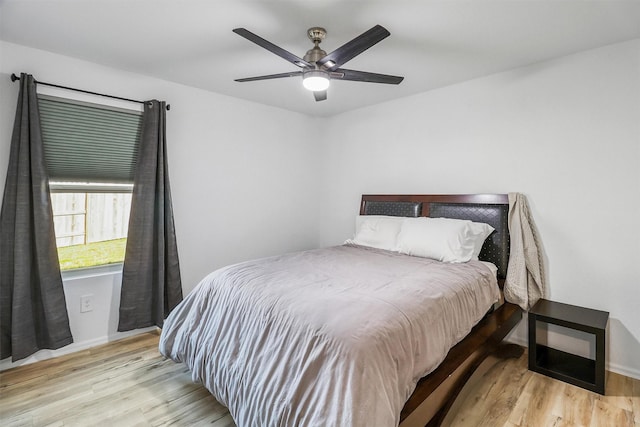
99,270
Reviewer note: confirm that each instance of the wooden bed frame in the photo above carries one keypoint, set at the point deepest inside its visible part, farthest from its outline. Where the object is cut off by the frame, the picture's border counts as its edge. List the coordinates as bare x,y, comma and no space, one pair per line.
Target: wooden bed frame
435,393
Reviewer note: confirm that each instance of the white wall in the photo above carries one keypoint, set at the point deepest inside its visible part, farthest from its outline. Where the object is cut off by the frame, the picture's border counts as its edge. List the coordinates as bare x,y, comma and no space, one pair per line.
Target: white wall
564,132
243,182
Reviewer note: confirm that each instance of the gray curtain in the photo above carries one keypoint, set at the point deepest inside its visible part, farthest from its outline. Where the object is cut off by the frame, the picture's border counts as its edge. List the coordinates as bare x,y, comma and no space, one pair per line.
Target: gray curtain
151,285
33,311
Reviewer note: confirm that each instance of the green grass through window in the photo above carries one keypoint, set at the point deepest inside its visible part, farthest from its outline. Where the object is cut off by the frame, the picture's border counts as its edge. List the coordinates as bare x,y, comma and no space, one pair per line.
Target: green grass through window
92,254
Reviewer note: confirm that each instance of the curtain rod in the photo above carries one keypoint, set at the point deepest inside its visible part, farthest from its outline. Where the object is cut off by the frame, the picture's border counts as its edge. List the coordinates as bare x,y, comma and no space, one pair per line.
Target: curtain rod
14,78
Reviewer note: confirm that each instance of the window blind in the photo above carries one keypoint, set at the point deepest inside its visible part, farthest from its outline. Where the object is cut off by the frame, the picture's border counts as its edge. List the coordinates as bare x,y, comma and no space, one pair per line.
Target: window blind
86,142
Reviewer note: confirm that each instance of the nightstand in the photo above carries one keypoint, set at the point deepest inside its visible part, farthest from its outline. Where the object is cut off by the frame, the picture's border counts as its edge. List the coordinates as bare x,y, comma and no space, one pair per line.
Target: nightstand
567,367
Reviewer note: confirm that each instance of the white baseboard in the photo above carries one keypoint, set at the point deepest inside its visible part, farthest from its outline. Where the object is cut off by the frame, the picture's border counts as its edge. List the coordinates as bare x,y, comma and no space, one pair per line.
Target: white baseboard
71,348
623,370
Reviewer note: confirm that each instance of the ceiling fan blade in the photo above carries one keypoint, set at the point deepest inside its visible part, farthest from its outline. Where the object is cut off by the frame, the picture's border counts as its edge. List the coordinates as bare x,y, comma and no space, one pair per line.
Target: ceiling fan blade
355,47
299,62
320,95
363,76
270,76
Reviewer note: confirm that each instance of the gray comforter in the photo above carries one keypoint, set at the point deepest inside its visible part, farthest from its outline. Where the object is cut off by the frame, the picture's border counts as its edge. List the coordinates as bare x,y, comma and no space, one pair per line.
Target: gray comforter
329,337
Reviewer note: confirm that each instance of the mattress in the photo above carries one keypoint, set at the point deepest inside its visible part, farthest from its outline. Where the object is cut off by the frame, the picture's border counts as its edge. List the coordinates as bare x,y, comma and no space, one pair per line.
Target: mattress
336,336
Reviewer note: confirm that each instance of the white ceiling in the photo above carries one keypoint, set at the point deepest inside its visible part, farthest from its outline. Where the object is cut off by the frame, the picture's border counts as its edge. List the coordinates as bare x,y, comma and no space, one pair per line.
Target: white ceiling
432,43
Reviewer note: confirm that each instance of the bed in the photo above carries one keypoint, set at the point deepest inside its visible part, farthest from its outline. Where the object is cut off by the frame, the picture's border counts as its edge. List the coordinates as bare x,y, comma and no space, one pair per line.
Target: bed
348,335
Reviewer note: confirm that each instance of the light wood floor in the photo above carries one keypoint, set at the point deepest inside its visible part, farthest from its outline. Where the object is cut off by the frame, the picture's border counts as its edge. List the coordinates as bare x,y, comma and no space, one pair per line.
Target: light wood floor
127,383
505,393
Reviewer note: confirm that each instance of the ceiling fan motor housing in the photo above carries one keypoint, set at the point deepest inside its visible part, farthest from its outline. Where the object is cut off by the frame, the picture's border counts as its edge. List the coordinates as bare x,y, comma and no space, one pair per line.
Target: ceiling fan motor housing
316,34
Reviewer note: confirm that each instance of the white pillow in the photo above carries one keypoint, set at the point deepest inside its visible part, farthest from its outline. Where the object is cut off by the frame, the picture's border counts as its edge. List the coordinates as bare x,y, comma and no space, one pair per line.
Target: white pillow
480,231
442,239
377,231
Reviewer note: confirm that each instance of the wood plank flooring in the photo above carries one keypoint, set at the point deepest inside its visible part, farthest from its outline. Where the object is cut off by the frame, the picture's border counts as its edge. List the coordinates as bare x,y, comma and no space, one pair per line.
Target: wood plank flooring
125,383
128,383
505,393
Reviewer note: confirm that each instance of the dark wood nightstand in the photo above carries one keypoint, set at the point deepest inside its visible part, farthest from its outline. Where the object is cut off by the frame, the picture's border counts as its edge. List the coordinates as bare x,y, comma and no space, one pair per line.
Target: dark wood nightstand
571,368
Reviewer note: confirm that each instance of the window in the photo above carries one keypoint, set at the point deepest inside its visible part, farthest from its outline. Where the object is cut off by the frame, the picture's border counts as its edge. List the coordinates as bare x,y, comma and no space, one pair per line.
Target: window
91,227
90,151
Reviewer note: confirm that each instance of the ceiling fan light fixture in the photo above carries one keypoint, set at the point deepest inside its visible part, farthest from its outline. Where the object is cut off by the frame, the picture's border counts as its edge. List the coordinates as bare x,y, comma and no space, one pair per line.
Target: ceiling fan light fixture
315,80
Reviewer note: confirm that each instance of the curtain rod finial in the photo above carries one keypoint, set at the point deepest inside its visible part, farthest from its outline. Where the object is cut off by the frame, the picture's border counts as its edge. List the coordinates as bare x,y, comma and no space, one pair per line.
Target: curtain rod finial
14,77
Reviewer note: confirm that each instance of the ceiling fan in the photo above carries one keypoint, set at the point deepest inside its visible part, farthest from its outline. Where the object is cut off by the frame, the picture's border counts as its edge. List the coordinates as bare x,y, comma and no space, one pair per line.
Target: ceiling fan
318,67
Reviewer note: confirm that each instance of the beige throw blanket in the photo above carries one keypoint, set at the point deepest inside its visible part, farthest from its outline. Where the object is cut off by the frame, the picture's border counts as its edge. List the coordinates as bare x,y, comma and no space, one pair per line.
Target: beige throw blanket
525,283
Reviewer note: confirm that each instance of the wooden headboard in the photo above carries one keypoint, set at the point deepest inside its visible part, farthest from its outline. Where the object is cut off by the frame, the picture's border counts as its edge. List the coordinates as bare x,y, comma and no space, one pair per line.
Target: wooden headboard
492,209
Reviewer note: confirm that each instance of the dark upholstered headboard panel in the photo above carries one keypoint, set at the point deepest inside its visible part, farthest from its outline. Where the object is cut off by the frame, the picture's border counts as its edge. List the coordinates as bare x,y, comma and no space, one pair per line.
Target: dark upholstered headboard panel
411,209
492,209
